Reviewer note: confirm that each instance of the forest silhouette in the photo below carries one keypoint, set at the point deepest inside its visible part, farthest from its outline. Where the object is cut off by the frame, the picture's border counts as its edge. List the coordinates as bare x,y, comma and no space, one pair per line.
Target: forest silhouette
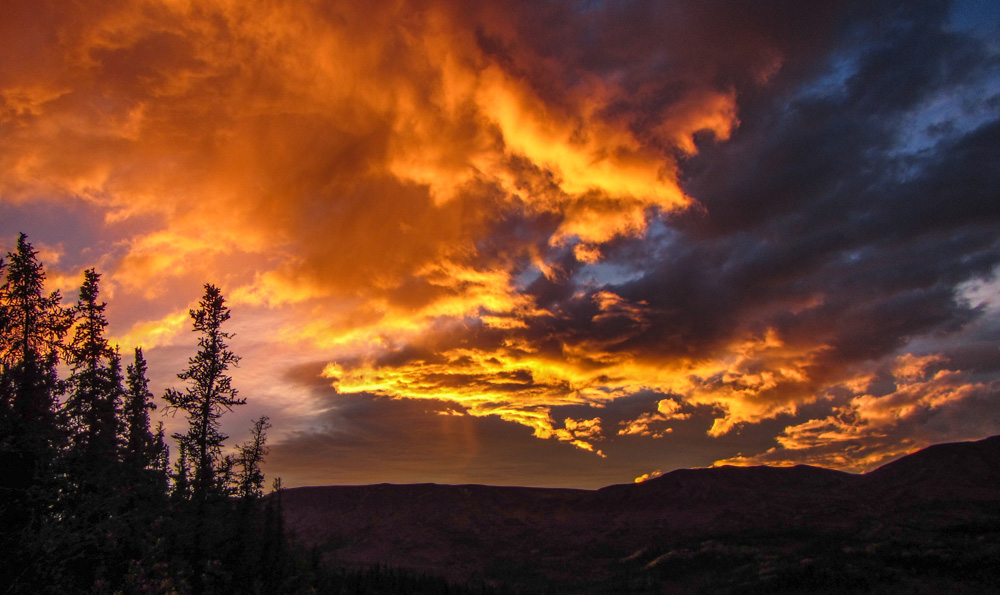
89,500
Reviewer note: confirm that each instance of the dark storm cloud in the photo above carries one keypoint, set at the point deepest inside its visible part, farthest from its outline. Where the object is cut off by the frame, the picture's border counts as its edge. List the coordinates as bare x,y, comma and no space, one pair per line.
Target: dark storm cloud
845,213
820,199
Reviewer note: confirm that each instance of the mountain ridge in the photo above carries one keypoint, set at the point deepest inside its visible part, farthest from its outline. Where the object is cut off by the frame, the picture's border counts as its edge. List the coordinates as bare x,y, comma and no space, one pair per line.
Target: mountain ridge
578,540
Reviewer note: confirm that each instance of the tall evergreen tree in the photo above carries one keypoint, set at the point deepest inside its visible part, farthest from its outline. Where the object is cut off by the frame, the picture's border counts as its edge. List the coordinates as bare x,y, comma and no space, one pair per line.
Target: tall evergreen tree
35,324
30,348
112,411
141,447
33,329
209,393
98,498
94,402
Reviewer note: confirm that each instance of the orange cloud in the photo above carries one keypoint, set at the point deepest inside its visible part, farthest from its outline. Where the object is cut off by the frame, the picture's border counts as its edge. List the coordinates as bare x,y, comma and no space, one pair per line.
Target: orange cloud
236,131
700,111
870,430
666,410
648,476
519,383
761,379
154,333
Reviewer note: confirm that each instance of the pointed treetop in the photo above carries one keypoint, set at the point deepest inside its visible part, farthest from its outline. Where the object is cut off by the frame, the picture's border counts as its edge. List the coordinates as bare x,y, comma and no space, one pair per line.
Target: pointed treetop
212,310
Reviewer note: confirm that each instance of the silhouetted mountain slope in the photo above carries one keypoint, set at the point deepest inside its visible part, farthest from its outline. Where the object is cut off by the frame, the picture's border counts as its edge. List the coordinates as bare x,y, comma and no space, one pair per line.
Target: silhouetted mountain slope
964,470
656,535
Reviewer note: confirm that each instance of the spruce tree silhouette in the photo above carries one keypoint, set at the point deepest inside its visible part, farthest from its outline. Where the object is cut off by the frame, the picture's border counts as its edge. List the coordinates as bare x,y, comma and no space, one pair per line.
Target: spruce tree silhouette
94,403
209,393
31,438
207,397
30,349
250,477
144,450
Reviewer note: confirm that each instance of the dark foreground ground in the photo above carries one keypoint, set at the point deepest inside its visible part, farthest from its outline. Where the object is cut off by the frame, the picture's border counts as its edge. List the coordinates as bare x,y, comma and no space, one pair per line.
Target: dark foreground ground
926,523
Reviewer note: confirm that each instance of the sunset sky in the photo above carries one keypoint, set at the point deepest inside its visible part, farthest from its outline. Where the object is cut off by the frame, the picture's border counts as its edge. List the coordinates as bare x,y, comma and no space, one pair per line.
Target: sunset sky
531,242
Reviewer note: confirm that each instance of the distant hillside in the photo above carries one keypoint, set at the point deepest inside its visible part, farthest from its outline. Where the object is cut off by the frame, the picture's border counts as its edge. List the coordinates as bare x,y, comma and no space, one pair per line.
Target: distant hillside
795,529
958,470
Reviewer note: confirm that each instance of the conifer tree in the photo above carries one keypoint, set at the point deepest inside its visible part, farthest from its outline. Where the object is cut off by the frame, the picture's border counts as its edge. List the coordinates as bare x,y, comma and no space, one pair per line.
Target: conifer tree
209,393
94,403
34,328
112,411
35,324
182,474
141,447
161,459
250,477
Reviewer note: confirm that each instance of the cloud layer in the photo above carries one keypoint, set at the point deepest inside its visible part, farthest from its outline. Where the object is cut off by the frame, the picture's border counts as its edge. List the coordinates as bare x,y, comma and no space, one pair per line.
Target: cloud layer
660,233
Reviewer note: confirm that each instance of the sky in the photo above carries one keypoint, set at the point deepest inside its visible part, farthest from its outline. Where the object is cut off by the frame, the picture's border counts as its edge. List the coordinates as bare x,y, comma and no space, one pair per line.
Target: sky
544,243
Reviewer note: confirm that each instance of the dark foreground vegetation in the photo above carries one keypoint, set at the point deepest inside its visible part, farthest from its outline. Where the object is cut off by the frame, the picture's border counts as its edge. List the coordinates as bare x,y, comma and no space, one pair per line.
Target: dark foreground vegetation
89,501
832,563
